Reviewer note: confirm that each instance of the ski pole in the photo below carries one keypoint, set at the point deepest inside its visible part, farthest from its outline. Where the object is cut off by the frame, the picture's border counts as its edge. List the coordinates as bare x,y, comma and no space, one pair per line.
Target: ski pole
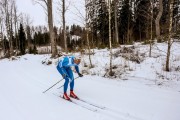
63,85
52,86
60,87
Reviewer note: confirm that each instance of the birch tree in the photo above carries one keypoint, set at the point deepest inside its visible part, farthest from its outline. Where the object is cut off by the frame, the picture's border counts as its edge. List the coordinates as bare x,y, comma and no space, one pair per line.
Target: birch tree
115,20
87,35
51,30
1,28
62,9
1,33
151,28
110,44
170,34
15,26
7,8
157,21
64,25
11,27
48,8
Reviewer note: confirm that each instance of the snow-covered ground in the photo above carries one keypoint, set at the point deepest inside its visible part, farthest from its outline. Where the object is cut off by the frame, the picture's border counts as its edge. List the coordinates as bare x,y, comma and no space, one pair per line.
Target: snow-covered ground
139,92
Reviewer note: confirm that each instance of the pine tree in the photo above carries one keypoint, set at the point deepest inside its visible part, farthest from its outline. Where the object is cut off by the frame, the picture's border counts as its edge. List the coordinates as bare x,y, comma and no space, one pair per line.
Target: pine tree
22,39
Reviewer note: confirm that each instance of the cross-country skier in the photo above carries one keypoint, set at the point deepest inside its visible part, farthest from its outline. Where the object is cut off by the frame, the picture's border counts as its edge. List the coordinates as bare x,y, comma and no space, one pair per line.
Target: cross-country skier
64,68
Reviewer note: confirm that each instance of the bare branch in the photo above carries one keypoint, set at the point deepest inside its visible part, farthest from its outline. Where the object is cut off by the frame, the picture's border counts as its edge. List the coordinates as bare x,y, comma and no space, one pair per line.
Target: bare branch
67,7
79,21
40,3
80,14
59,3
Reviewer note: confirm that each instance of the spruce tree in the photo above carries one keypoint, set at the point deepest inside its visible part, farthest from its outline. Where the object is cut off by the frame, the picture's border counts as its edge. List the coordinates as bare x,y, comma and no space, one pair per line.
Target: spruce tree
142,19
28,29
22,39
102,22
125,21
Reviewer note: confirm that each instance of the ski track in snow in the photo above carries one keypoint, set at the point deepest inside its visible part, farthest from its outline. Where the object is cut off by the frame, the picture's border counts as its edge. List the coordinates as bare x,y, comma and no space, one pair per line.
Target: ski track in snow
106,111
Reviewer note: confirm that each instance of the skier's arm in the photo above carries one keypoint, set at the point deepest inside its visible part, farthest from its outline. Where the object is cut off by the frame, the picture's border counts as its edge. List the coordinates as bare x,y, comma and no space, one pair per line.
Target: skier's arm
77,70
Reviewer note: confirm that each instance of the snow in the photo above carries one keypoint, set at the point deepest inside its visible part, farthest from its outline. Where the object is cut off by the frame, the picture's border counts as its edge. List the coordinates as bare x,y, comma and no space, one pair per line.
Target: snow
75,37
46,49
143,92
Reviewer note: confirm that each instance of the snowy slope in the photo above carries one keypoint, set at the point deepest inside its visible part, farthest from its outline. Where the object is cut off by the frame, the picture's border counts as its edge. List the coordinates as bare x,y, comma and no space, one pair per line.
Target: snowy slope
22,82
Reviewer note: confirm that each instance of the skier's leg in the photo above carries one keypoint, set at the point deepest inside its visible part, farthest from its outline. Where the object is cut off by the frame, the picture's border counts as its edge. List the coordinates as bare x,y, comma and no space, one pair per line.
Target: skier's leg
64,71
66,84
71,76
65,96
70,73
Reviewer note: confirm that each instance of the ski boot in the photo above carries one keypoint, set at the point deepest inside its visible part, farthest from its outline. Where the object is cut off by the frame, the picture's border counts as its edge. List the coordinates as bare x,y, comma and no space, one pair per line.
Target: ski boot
66,97
73,95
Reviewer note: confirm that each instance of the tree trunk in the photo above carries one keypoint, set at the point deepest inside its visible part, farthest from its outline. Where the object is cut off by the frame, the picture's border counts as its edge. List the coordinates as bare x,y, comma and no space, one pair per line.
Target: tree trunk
89,49
64,27
110,44
169,36
87,35
158,20
50,24
128,41
140,37
28,32
116,23
15,27
150,42
11,36
1,36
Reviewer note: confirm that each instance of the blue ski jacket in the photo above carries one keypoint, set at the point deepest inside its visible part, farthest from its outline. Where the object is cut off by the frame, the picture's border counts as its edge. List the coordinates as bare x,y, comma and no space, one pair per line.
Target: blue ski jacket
65,63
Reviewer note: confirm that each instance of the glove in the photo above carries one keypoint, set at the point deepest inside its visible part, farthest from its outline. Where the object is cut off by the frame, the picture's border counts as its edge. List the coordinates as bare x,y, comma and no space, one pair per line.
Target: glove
64,76
80,75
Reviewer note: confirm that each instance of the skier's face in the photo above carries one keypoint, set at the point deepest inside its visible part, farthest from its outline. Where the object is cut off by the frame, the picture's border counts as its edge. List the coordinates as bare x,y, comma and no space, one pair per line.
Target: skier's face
77,61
